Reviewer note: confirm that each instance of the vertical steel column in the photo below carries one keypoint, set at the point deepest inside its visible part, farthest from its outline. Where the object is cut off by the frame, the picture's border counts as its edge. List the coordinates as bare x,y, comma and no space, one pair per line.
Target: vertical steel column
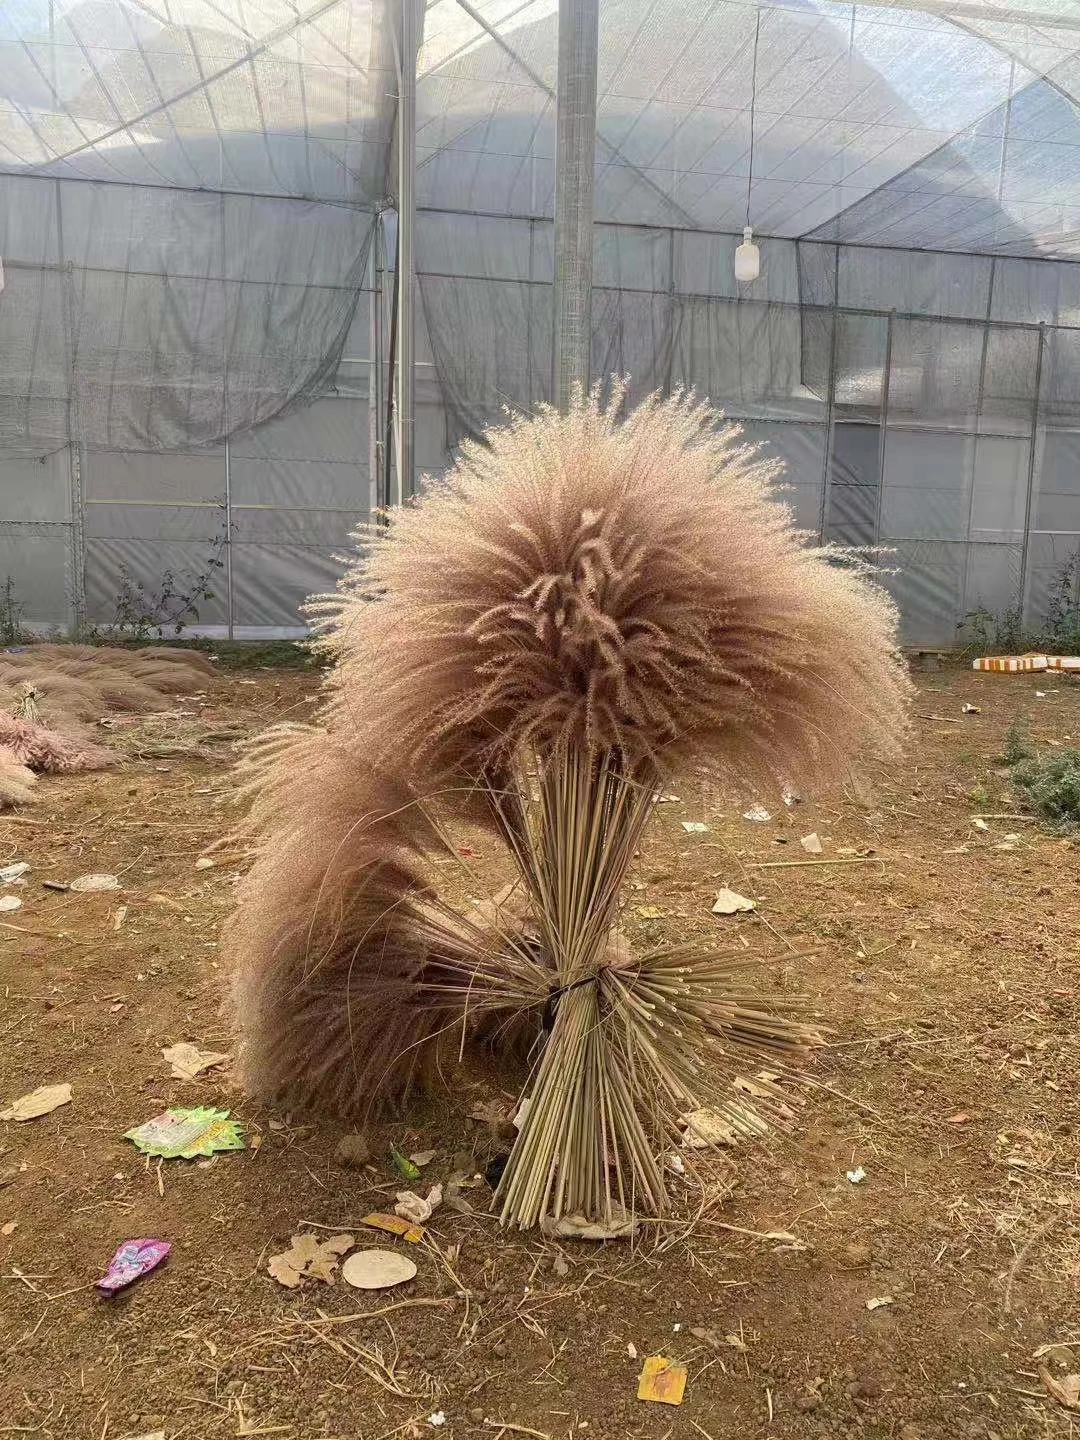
1029,504
575,150
375,379
405,270
77,551
228,539
965,571
884,424
230,617
830,405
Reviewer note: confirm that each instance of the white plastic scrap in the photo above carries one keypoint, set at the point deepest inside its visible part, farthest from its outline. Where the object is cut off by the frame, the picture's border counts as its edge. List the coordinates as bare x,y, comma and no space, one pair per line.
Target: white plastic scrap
857,1176
759,815
730,902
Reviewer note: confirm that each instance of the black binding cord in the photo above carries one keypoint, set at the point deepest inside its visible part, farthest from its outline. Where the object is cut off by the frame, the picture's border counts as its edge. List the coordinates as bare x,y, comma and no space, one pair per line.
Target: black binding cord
555,995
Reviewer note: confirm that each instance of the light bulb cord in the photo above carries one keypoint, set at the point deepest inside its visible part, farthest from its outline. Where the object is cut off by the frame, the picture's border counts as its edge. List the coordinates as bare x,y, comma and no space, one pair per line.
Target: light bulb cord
753,107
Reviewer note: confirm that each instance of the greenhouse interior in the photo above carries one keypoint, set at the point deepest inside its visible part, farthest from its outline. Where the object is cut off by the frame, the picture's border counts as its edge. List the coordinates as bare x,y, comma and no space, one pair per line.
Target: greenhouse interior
267,264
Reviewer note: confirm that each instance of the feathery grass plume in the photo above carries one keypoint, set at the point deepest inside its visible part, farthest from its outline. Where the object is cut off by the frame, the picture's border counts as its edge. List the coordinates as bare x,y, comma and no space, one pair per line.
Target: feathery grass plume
338,932
586,606
53,752
122,658
77,683
16,780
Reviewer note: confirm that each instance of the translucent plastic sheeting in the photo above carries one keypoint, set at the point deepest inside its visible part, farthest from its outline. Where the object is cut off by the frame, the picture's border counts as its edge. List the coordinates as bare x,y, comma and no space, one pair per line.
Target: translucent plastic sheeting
906,429
154,320
848,100
266,97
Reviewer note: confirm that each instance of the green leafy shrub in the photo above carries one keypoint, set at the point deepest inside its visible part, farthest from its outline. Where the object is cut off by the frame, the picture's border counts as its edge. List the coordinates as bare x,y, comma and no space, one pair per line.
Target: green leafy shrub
1051,784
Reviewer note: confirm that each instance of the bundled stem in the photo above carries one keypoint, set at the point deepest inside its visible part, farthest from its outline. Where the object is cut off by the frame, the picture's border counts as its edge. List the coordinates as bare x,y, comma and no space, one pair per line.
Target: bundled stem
586,605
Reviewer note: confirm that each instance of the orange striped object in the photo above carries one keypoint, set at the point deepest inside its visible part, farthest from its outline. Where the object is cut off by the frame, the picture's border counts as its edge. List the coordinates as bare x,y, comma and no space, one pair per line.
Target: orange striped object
1063,662
1012,664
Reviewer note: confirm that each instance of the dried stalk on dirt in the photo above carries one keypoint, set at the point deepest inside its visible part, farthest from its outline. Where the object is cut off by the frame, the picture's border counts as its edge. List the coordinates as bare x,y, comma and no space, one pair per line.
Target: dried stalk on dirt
585,606
46,691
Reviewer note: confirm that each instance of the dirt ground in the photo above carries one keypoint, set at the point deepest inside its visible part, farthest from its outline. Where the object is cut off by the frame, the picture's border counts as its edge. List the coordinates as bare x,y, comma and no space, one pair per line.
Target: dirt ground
945,959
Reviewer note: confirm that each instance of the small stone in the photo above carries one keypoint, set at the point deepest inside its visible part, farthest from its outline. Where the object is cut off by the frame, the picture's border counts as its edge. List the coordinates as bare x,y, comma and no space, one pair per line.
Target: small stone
476,1414
806,1403
868,1388
352,1151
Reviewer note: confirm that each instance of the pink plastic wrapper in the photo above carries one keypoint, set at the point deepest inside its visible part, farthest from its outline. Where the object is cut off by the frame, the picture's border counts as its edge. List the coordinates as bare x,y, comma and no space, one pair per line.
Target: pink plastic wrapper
133,1259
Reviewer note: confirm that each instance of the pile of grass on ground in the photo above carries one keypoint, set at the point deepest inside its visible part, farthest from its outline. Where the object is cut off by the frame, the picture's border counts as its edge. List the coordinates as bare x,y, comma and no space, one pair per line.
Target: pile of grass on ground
1051,784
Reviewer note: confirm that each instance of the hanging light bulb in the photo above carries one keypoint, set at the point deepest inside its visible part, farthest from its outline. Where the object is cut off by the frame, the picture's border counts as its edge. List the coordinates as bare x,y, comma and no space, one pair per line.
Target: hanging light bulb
747,258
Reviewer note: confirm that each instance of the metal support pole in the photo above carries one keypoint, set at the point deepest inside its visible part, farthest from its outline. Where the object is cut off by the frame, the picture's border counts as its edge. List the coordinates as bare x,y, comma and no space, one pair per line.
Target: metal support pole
77,551
830,405
575,152
973,477
228,539
405,269
1029,504
884,424
230,617
375,378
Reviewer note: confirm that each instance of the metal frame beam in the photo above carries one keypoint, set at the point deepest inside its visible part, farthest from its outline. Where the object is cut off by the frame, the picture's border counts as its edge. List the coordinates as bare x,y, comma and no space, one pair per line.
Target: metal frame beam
575,166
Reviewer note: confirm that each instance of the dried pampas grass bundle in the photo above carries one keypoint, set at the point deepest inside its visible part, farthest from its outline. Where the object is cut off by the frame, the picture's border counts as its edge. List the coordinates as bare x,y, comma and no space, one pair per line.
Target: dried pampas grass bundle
80,683
585,607
52,752
17,781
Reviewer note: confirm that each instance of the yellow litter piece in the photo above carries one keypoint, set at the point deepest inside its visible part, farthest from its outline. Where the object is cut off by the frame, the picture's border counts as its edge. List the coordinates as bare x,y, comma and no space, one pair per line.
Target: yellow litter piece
395,1225
1029,664
662,1381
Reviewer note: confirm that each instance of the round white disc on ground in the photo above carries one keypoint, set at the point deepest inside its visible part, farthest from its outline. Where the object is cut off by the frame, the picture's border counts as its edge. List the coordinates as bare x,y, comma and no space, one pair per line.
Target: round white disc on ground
377,1269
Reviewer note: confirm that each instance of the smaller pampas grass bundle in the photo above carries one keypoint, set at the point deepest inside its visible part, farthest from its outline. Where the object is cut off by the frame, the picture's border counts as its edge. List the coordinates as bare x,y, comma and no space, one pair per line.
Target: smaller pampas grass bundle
585,608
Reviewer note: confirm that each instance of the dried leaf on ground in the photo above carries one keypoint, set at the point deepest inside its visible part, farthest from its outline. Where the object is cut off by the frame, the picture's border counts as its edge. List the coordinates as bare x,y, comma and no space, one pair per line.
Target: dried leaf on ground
188,1061
1065,1391
811,843
621,1226
707,1127
492,1112
377,1269
729,902
759,815
423,1157
877,1301
42,1101
308,1258
662,1381
694,827
650,912
395,1225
